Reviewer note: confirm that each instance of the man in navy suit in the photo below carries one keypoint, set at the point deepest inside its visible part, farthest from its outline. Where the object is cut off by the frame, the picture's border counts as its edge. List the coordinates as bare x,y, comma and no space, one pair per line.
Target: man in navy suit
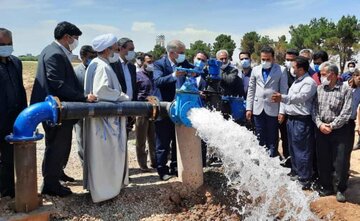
125,71
55,76
166,81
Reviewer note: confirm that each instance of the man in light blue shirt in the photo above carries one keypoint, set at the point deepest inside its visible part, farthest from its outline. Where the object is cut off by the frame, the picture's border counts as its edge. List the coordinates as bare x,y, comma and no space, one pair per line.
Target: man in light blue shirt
300,127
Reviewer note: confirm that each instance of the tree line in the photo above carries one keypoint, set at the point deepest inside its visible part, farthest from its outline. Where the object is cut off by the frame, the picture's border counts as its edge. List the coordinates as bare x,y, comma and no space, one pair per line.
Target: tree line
340,38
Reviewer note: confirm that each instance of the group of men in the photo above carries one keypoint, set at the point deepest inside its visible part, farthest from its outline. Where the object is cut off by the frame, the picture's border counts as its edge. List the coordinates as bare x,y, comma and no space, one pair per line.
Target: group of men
314,110
311,107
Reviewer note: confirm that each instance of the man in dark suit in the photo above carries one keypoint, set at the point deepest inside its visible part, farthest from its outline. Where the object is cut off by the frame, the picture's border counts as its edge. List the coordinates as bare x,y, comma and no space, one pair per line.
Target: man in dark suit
12,102
55,76
166,80
126,72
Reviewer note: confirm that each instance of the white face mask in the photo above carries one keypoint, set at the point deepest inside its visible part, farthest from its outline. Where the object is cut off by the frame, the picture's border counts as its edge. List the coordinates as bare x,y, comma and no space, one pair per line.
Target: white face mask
149,67
324,80
138,61
266,64
114,57
292,72
287,64
6,50
73,45
130,55
223,66
352,70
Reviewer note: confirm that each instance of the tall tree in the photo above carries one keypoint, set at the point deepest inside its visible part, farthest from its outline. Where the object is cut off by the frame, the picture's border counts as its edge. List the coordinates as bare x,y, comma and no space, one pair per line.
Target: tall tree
157,52
198,45
280,49
224,42
249,40
312,35
345,42
264,41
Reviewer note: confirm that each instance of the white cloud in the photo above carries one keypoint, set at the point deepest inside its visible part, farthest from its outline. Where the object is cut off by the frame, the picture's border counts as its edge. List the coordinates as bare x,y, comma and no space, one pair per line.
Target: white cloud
143,27
21,4
275,32
294,4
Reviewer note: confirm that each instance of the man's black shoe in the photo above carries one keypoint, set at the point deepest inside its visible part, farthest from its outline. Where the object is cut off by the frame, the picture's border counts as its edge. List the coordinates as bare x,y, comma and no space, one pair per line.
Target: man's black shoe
58,190
66,178
173,172
325,192
166,177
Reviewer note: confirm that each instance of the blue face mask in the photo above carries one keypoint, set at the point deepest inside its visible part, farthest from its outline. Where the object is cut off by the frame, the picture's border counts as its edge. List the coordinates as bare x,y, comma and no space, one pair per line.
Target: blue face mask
6,50
317,68
180,58
245,63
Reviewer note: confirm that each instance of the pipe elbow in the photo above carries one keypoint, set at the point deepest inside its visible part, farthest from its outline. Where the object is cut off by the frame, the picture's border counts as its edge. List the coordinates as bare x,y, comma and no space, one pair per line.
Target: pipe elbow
25,124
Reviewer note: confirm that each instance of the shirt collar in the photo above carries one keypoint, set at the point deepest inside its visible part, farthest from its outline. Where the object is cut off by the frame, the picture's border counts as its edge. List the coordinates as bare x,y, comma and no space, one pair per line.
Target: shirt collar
66,51
337,86
122,61
172,63
302,77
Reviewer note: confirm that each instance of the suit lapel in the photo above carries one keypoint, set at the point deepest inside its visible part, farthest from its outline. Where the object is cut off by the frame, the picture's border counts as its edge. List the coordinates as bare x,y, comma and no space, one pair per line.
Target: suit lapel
272,71
121,77
168,65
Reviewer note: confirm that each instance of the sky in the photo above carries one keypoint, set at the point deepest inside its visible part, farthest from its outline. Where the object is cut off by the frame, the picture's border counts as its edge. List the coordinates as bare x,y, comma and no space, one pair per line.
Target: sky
33,21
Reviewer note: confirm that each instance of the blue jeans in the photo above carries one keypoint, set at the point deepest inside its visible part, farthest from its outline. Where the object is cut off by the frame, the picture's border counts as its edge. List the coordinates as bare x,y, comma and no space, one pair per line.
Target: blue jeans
266,128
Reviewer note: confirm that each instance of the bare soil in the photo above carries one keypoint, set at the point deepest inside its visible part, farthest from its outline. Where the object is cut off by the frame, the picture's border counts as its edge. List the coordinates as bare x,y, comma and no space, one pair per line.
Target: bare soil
148,198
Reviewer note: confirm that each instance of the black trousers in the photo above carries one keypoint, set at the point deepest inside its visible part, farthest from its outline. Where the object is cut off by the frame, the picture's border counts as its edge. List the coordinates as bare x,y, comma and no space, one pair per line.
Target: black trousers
165,141
57,151
7,183
333,157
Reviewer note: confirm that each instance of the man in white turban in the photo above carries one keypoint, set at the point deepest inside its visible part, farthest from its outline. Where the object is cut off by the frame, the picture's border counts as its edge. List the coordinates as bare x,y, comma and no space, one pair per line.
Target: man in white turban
105,155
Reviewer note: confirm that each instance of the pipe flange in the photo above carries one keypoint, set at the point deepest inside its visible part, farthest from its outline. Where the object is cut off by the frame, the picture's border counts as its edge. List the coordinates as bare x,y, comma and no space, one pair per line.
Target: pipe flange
154,101
59,108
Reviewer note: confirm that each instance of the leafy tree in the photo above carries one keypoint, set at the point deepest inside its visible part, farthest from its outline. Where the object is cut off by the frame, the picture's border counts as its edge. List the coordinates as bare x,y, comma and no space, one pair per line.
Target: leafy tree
249,40
312,35
337,39
198,45
280,49
345,41
264,41
224,42
157,52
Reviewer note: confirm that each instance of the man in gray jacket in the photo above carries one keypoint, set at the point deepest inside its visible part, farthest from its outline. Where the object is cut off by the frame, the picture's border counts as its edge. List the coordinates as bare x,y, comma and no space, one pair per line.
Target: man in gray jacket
266,79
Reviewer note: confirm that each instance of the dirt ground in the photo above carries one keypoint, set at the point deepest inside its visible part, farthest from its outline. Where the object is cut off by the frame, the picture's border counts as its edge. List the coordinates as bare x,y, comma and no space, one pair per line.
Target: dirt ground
148,198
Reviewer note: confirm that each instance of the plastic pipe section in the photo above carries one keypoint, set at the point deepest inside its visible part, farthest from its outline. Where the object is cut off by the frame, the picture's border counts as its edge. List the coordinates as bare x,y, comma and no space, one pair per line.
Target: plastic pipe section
53,112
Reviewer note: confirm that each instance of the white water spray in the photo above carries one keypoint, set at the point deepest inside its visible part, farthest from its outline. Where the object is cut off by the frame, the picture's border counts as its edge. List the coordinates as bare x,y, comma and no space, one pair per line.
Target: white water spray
265,192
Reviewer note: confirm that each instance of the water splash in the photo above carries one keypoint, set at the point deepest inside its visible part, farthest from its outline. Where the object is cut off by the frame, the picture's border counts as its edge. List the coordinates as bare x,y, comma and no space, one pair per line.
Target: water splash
265,192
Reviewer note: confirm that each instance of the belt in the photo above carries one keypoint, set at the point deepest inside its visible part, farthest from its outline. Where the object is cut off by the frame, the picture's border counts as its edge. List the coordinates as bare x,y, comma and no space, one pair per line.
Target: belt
298,117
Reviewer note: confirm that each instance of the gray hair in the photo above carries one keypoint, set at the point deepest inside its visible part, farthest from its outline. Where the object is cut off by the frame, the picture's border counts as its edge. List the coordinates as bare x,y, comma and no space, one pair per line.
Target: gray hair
330,67
6,32
174,45
222,51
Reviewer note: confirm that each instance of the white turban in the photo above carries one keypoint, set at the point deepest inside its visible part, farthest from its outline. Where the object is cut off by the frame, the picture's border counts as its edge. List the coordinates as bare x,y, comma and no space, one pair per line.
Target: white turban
101,42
